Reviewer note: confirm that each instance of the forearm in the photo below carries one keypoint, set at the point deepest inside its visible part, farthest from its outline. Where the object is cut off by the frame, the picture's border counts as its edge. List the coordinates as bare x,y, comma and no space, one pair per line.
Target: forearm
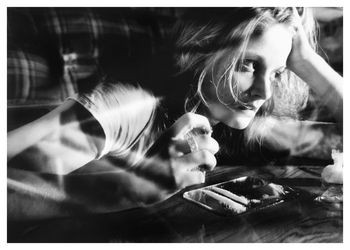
59,142
324,81
28,135
35,196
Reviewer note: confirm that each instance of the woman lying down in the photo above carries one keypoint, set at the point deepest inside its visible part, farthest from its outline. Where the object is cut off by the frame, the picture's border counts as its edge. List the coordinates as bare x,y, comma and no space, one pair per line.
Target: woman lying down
248,66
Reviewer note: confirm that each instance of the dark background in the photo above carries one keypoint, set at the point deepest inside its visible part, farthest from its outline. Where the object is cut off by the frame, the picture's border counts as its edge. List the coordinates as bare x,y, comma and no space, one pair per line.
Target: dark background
55,52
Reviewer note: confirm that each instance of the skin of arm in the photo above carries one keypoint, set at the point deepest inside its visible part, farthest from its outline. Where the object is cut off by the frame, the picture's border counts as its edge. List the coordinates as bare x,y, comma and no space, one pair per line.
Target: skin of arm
62,141
326,83
45,183
315,71
34,196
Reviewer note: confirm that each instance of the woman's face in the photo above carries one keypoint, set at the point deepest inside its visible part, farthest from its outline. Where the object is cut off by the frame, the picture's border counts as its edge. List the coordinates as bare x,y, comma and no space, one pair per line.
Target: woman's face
264,60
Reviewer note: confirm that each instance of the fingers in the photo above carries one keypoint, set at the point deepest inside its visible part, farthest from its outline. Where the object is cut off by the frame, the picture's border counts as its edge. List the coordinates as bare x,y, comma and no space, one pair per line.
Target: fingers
298,25
202,159
297,16
202,142
208,143
187,165
295,12
186,169
186,179
187,122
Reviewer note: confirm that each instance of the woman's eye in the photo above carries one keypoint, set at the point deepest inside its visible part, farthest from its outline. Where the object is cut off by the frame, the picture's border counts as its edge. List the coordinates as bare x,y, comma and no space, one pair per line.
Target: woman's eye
248,66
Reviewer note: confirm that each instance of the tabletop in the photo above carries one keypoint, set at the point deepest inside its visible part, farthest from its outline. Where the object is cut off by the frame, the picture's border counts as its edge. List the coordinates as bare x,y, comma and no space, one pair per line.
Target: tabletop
178,220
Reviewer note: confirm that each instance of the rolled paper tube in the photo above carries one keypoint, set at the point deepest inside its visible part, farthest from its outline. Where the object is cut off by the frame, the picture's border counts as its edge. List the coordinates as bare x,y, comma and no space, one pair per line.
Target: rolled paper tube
221,203
230,195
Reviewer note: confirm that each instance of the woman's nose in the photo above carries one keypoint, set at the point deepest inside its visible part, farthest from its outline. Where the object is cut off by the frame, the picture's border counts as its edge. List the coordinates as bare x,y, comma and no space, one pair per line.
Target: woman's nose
261,88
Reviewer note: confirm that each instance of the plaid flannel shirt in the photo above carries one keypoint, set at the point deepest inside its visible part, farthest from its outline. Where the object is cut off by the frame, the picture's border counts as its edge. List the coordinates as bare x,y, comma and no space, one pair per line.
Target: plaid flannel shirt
53,52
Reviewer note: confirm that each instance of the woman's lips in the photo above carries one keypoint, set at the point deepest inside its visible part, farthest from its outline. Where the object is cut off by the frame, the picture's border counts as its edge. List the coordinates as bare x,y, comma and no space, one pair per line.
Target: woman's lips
246,107
242,107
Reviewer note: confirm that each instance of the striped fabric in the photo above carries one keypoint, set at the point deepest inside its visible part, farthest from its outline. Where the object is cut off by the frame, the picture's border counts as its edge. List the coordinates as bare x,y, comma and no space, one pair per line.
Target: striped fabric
63,48
26,73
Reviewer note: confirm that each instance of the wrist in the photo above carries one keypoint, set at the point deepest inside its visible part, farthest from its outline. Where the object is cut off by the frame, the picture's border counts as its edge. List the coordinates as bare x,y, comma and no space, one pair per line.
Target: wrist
305,63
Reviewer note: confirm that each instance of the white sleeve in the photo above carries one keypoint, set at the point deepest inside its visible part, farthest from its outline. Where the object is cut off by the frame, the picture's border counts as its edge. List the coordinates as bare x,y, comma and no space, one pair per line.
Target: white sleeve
123,111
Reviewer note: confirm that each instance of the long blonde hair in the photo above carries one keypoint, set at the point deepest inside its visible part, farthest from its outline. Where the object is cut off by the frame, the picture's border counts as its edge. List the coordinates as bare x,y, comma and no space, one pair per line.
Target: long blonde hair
207,34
